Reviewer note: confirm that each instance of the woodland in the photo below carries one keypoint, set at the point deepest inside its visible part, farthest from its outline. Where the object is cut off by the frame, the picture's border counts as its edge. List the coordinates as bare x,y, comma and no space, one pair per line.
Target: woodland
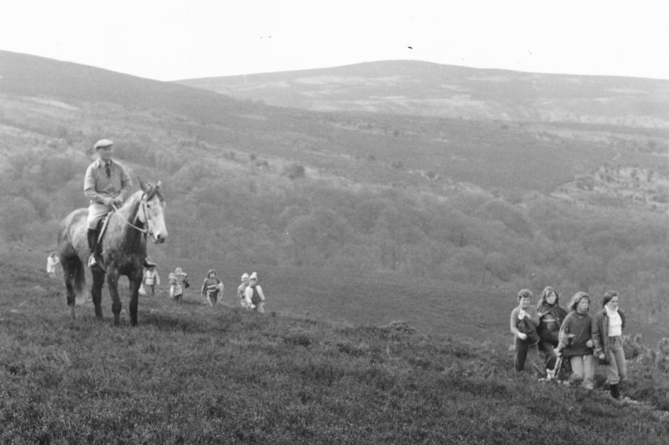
257,213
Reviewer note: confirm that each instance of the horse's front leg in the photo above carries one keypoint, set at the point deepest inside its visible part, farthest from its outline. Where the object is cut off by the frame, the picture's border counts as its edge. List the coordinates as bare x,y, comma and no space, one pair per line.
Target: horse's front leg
135,283
96,291
112,283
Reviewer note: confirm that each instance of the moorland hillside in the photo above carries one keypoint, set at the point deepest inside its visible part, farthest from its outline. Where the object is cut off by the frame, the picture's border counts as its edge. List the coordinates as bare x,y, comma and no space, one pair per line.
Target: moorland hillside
427,89
581,112
193,374
404,208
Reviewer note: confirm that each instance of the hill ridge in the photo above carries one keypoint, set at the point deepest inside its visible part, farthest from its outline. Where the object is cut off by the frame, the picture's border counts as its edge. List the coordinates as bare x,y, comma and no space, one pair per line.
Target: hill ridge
429,89
419,64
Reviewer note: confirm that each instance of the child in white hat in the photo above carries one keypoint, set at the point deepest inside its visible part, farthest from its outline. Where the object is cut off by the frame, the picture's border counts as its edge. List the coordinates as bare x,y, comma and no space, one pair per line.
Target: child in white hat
255,299
241,290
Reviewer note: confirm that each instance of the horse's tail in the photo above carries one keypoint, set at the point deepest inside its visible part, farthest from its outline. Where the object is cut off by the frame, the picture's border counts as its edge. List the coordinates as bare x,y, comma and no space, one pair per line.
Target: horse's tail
79,280
72,263
75,277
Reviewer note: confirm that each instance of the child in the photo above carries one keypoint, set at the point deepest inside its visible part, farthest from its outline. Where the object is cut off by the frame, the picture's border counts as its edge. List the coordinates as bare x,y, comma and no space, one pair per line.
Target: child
212,287
576,341
524,321
255,299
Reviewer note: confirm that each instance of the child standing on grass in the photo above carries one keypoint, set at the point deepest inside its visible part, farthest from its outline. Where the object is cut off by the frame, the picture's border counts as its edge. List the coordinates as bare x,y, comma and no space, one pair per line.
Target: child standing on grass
241,291
551,316
576,341
212,288
172,278
607,334
255,299
51,262
180,284
151,277
524,321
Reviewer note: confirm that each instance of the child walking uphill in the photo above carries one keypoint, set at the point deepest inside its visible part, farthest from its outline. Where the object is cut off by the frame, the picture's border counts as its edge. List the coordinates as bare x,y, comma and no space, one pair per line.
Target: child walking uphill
551,316
255,299
212,288
524,322
180,284
172,278
241,291
607,332
151,278
576,341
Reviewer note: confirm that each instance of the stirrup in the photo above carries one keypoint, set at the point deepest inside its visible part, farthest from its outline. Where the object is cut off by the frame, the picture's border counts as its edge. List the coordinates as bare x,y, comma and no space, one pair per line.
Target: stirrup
93,264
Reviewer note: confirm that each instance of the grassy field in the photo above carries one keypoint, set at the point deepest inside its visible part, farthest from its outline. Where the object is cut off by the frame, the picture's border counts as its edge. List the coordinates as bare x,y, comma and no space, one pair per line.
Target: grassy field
434,307
192,374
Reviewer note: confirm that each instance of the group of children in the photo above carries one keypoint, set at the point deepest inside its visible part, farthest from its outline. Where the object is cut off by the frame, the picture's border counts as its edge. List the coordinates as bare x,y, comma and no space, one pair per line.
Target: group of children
249,292
571,337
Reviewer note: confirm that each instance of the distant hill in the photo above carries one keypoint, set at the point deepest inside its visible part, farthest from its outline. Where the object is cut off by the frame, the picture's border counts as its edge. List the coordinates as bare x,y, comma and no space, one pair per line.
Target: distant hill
428,89
28,75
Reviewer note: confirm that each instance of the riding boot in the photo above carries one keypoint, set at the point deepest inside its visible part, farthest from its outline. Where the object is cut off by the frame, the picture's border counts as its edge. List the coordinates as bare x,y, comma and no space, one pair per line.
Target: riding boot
615,391
92,244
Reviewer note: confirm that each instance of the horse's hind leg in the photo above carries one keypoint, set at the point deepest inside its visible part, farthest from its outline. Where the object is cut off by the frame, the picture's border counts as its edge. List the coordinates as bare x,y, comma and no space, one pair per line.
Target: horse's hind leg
96,292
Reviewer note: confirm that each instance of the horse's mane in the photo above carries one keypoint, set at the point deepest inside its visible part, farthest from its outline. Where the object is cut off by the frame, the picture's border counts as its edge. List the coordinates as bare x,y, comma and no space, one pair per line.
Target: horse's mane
152,190
131,206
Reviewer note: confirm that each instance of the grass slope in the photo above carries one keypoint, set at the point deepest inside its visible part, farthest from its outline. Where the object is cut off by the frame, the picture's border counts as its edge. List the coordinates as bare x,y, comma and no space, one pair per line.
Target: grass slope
191,374
434,307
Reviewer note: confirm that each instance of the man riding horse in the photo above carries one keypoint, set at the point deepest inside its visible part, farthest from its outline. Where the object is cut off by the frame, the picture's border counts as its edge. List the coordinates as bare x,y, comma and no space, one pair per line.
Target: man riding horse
106,184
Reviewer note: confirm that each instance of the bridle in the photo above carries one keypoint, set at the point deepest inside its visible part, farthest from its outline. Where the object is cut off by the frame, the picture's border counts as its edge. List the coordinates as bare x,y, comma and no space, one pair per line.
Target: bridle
142,201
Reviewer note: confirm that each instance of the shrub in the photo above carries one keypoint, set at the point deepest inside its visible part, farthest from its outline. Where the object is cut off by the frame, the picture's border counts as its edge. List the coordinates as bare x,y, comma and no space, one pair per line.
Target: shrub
294,171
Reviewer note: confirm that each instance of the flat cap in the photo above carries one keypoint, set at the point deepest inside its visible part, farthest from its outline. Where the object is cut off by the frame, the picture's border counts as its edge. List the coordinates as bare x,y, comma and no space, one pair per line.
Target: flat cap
102,143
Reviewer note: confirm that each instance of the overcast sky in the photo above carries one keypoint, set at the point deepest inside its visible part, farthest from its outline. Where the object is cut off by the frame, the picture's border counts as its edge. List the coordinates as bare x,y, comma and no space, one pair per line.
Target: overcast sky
181,39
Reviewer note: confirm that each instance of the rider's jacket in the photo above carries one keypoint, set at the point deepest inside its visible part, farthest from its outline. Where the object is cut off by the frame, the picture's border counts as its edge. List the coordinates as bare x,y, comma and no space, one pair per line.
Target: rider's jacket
97,185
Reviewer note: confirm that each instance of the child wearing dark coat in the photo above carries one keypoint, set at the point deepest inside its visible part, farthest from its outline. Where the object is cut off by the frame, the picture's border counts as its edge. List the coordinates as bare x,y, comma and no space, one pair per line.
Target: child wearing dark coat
576,341
551,316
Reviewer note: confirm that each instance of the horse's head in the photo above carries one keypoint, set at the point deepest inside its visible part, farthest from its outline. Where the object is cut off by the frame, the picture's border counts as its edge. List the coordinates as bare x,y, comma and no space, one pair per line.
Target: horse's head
151,212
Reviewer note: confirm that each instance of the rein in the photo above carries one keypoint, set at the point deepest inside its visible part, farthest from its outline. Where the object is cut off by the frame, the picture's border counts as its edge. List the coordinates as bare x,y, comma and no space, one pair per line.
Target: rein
144,231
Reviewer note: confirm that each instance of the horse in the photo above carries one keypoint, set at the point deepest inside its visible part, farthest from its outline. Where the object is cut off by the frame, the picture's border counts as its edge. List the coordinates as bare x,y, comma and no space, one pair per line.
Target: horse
124,249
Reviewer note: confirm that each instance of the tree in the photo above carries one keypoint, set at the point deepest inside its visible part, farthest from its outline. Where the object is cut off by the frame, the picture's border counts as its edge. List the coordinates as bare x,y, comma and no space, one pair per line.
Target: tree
508,214
17,215
467,265
303,234
497,265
